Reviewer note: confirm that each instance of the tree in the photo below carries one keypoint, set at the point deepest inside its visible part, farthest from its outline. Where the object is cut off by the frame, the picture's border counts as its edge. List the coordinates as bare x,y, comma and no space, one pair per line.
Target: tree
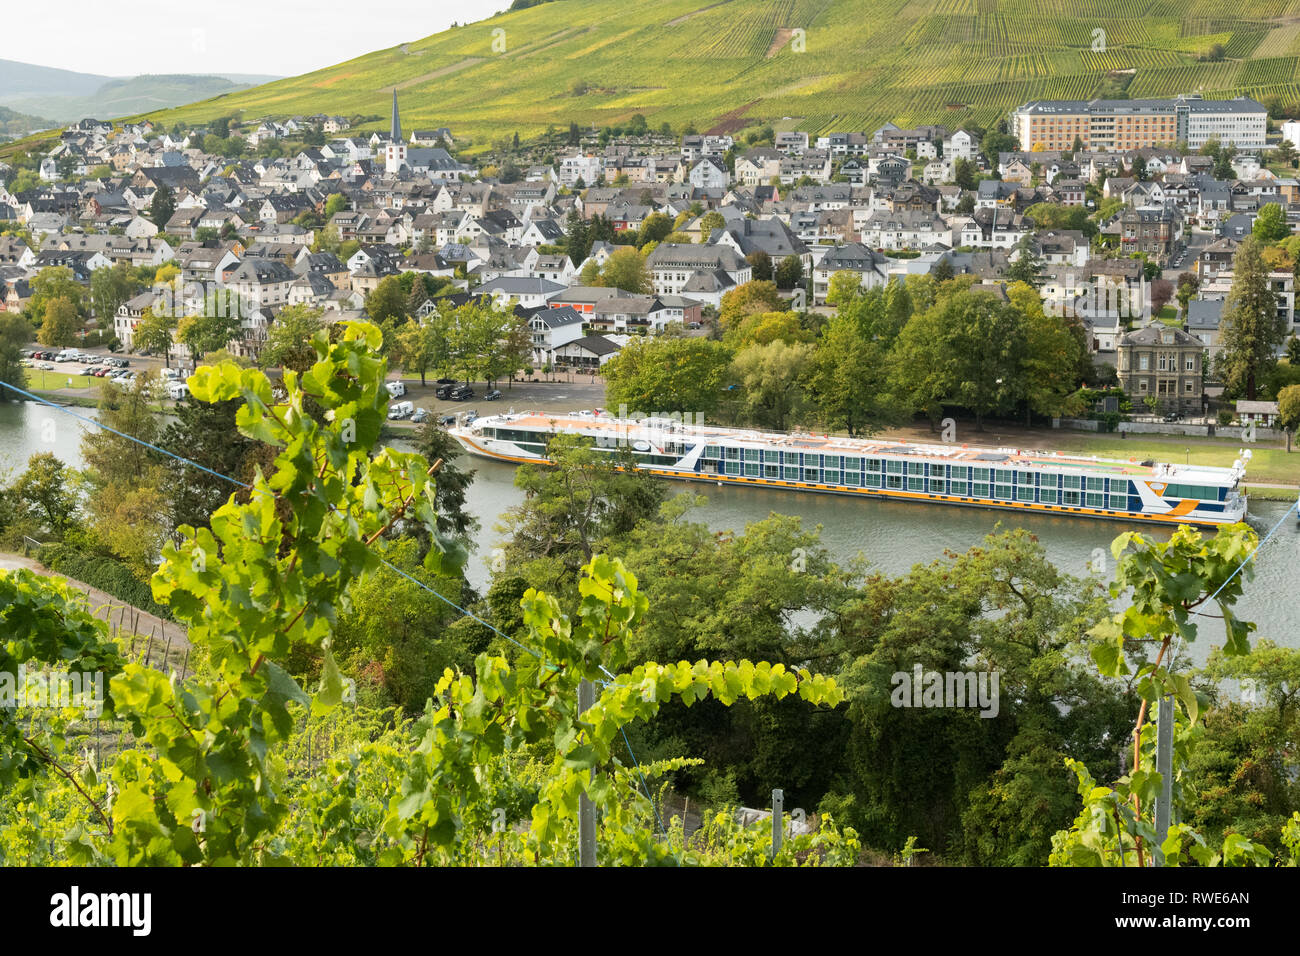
752,297
1188,285
789,273
1288,405
426,346
289,339
387,300
967,349
162,207
110,287
1028,266
1051,358
1251,331
155,333
771,378
1139,168
335,204
667,374
626,269
15,332
61,323
654,228
45,490
1286,153
215,327
761,265
1270,224
710,221
56,282
207,434
850,380
963,173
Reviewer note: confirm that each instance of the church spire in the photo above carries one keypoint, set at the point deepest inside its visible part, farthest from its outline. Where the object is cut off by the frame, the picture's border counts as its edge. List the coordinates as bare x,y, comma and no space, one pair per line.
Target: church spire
397,123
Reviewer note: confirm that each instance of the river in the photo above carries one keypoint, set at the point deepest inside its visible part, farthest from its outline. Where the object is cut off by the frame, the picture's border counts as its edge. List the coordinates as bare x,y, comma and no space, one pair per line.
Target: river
893,536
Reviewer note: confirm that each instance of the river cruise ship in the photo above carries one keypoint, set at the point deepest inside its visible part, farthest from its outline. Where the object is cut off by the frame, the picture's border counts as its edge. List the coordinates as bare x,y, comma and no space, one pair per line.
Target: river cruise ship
954,474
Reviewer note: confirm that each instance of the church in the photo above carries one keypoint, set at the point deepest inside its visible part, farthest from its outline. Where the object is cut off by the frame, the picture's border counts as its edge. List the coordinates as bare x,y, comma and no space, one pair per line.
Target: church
438,164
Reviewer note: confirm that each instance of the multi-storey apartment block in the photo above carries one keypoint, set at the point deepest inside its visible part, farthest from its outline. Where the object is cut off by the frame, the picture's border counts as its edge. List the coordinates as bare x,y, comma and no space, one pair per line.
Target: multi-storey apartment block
1138,124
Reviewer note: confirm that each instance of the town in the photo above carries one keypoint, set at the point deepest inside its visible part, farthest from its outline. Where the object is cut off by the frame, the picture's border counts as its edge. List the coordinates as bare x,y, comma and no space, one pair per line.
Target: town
1125,215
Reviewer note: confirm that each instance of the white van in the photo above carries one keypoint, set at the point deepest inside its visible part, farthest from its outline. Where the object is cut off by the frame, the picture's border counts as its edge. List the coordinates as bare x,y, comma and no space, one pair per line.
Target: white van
400,410
177,390
396,389
170,374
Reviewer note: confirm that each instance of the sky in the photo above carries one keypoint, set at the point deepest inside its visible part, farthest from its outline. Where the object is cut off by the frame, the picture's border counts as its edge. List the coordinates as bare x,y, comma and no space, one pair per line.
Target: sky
271,37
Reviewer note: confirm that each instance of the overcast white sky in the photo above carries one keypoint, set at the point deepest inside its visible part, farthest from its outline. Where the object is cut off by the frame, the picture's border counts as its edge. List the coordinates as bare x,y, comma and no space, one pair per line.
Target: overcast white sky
277,37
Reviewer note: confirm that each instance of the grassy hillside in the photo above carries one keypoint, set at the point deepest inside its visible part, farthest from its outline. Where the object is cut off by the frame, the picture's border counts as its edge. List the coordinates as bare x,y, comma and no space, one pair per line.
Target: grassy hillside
729,62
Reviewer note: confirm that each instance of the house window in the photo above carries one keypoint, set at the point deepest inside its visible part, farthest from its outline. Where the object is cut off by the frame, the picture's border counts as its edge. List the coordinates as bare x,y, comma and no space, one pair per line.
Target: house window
1144,362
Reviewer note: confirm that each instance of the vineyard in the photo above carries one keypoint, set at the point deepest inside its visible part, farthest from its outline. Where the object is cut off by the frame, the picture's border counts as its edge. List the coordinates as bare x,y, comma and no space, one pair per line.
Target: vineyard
693,61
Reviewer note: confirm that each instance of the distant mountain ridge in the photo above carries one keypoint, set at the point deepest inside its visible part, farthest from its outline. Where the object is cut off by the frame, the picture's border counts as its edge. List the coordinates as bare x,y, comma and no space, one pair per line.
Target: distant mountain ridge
66,95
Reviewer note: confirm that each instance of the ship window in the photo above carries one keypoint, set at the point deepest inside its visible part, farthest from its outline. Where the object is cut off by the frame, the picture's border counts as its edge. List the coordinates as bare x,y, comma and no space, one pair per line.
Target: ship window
959,488
751,469
733,454
1119,502
893,467
872,479
938,486
1095,500
1071,481
812,474
852,478
1025,492
916,468
1024,478
831,461
771,455
771,471
1002,491
980,489
1070,498
980,474
872,464
959,472
790,473
751,454
832,477
1004,476
712,451
893,481
1096,484
852,464
1047,496
916,484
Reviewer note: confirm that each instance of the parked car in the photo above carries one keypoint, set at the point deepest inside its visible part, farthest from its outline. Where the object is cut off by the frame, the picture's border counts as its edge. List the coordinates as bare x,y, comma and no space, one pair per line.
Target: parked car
444,392
446,381
461,393
420,415
447,420
1173,417
469,417
493,395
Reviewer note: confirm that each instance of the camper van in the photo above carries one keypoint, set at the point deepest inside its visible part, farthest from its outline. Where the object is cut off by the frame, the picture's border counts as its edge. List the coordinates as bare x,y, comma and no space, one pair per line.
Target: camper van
400,410
177,390
396,389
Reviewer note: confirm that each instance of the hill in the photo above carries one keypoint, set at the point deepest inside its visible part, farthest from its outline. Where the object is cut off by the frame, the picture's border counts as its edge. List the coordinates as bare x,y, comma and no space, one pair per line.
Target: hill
66,96
726,63
815,65
14,124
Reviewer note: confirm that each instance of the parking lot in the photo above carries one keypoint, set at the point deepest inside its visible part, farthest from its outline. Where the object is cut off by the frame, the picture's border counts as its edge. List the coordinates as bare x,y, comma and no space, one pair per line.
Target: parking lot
557,396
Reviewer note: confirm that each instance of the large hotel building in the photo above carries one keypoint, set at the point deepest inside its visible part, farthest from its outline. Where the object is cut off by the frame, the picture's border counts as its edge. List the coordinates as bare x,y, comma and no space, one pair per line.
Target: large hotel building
1136,124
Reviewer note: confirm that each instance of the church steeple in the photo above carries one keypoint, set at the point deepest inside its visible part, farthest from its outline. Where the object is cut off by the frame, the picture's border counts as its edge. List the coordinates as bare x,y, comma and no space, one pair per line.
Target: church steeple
397,123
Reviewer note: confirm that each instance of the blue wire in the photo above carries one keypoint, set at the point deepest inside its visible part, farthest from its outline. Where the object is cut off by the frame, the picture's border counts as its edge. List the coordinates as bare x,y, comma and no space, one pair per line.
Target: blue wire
1252,554
388,564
